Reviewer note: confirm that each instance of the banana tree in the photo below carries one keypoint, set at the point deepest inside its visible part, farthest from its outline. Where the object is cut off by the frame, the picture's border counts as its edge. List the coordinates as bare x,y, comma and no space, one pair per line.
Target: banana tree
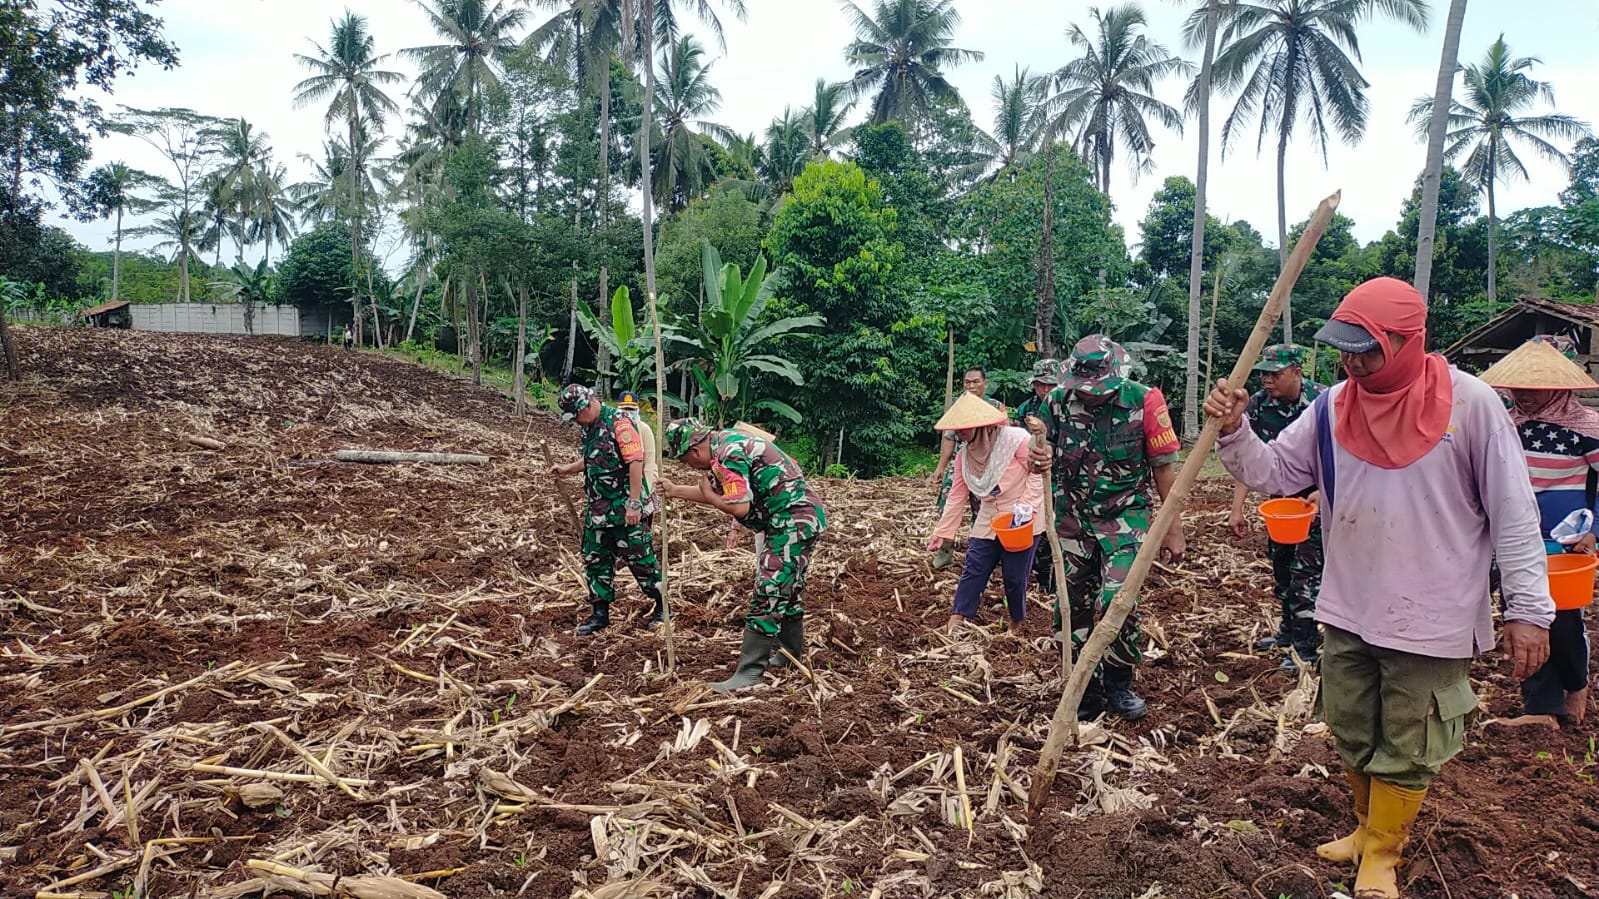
246,284
632,356
728,344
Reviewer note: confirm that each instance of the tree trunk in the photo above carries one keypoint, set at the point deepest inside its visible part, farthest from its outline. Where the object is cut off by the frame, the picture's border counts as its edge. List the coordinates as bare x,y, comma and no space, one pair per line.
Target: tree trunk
1044,310
1210,342
571,332
1437,128
1290,100
603,363
12,367
116,260
355,224
472,348
1493,232
519,377
372,298
416,304
949,371
1196,254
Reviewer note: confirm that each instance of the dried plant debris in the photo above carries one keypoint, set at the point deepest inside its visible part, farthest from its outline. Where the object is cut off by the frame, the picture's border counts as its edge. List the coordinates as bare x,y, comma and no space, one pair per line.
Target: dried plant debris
234,668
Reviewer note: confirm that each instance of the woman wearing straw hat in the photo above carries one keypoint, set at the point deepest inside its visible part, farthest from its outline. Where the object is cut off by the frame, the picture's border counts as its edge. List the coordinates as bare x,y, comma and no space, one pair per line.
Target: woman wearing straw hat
992,467
1561,439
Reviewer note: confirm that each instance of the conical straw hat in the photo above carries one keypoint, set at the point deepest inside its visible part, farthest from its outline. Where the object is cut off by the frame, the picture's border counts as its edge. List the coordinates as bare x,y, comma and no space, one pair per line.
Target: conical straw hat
1536,365
969,412
745,427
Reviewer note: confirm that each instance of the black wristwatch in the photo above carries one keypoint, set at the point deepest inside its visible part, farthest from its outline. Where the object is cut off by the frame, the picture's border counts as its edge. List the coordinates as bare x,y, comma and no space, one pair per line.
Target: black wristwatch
634,505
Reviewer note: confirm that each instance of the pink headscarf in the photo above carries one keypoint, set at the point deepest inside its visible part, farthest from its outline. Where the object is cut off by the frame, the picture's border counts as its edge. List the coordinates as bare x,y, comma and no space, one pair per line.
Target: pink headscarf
1563,410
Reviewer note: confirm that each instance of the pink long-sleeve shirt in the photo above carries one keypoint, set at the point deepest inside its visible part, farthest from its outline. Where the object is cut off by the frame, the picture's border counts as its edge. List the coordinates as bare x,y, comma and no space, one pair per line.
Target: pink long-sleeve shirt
1019,484
1408,549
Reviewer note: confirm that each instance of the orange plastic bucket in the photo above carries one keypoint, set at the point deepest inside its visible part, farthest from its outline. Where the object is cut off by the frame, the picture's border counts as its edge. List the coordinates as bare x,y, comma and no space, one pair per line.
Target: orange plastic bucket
1571,579
1013,539
1288,520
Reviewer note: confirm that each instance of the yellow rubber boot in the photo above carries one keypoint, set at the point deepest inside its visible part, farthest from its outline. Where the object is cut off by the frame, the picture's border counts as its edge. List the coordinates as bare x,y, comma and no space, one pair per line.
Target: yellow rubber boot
1392,812
1347,850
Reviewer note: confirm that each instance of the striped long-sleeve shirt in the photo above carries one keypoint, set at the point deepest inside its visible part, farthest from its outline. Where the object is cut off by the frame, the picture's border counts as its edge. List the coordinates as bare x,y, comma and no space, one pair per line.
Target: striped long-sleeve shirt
1559,460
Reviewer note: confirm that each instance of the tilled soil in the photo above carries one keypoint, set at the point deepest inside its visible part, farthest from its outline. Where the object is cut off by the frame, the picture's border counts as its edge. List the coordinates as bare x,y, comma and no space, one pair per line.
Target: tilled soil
174,615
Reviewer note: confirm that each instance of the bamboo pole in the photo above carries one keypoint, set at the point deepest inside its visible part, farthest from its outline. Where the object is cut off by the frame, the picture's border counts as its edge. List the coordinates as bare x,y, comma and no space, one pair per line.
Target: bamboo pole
1110,623
1059,563
660,461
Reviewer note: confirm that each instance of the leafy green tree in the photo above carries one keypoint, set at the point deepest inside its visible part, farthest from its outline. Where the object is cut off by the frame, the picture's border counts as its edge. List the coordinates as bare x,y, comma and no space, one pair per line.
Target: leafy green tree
1106,94
837,255
1166,231
725,219
633,359
248,285
888,156
1460,247
317,271
1293,61
730,342
1031,279
1489,119
900,55
114,190
1579,204
187,140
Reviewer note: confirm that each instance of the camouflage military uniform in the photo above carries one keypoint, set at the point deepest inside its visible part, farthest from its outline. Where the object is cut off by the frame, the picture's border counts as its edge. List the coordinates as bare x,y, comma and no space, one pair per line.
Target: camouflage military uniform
949,473
609,445
1103,458
1045,371
1296,567
783,507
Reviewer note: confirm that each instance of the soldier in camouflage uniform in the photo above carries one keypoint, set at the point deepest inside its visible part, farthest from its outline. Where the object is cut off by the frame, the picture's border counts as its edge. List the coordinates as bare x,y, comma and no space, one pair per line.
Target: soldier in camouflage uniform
620,504
1111,437
976,382
1295,567
1046,375
749,478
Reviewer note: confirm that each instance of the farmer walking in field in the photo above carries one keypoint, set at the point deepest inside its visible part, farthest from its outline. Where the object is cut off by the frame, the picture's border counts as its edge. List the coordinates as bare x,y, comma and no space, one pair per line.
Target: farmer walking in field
1422,481
994,467
752,480
1112,437
1295,567
620,506
1046,375
975,380
1560,437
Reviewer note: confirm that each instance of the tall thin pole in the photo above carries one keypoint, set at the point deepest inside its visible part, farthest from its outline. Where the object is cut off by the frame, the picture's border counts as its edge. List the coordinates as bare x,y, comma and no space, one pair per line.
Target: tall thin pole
660,461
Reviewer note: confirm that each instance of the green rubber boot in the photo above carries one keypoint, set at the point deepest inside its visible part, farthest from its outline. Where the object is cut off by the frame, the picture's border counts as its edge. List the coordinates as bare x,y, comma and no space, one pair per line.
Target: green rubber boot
752,661
791,638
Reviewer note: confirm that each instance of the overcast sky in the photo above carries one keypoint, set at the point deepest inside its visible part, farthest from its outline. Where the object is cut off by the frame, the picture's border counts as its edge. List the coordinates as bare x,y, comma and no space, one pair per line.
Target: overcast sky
238,60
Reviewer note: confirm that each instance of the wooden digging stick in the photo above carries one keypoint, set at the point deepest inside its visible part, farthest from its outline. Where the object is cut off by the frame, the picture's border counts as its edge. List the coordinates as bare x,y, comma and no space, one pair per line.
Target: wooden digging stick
560,486
1061,601
1110,623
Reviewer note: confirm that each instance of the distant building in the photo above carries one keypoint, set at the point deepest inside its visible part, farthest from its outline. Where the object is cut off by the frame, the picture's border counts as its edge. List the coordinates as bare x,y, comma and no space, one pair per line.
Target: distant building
108,315
1530,317
228,318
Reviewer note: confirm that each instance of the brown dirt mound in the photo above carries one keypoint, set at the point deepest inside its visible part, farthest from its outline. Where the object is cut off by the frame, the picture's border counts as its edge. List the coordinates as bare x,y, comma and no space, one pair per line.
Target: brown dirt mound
174,615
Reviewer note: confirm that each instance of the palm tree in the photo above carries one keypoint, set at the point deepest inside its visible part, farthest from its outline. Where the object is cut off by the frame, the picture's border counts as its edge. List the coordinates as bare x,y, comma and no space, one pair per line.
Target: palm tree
1018,117
1431,176
682,167
113,190
1200,32
786,151
348,74
180,229
1106,94
1487,122
243,154
457,73
1298,59
274,211
825,117
900,53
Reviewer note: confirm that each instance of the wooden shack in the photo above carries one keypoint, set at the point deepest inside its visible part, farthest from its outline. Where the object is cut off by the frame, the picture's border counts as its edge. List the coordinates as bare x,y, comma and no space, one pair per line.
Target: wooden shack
114,314
1530,317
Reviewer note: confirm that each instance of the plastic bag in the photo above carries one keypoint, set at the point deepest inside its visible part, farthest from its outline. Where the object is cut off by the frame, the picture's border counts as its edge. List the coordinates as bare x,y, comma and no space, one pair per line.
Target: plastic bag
1021,514
1573,527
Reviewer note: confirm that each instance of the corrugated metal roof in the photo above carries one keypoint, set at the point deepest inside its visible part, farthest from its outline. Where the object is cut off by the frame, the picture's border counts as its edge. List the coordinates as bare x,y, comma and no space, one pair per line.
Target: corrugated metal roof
103,307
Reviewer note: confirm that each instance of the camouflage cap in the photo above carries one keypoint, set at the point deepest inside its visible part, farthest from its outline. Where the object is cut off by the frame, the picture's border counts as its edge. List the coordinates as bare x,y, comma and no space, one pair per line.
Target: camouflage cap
574,399
627,399
682,435
1046,371
1279,356
1098,366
